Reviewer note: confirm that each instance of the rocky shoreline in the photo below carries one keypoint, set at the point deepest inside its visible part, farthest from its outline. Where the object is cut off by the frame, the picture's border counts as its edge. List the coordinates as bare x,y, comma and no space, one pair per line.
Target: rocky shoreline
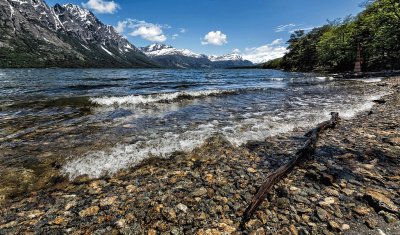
352,186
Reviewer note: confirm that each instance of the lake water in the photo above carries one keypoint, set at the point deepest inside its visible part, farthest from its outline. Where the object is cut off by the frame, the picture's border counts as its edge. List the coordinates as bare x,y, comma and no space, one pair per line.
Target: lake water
99,121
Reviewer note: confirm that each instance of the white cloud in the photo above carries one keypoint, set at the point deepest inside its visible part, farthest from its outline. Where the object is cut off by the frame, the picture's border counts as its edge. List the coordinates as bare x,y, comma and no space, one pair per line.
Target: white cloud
101,6
152,33
285,27
148,31
174,36
215,38
182,30
267,52
120,28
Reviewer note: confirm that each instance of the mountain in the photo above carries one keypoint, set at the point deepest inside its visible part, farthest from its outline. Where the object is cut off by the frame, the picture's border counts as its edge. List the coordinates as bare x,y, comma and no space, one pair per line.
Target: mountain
229,60
171,57
32,34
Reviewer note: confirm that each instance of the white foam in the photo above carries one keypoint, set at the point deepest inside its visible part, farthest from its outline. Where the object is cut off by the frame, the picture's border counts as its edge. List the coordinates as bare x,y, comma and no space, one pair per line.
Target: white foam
368,80
153,98
257,127
98,163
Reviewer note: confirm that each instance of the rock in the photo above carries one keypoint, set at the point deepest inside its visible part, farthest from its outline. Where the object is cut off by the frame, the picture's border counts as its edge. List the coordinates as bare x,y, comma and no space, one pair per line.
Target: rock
169,214
293,230
262,216
282,203
59,220
151,232
334,226
108,201
327,201
251,170
322,214
90,211
200,192
361,210
226,228
347,191
379,201
121,223
345,227
371,223
389,218
182,207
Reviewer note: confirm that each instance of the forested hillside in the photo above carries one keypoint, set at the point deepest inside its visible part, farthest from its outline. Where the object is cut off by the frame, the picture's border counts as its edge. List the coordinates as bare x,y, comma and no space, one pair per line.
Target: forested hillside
374,34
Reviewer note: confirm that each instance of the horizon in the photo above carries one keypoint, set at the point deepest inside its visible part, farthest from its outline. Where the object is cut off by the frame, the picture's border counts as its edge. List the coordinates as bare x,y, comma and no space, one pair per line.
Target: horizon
207,27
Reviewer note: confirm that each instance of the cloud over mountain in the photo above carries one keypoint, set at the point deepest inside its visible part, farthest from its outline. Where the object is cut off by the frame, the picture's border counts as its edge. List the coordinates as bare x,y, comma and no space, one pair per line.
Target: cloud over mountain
215,38
139,28
267,52
101,6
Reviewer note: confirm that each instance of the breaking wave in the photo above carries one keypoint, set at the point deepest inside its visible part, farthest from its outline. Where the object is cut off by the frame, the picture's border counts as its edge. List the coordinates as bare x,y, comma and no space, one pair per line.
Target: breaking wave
161,97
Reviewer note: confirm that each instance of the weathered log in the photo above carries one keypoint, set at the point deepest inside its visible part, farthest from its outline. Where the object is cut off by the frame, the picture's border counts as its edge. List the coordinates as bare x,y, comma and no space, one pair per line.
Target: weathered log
303,153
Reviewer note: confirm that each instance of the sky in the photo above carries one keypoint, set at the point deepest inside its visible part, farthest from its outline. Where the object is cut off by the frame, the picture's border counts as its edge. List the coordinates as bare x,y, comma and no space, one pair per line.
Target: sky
257,29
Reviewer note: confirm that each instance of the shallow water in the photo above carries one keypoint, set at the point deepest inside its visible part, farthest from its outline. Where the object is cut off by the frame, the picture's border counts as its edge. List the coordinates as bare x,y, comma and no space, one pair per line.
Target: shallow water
103,120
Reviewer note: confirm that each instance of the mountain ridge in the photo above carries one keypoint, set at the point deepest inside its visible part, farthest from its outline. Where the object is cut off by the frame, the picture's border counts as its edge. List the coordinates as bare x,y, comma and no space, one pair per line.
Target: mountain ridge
169,56
32,34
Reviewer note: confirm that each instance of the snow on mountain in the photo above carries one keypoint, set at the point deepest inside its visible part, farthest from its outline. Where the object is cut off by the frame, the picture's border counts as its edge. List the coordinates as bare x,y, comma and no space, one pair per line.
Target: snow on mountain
169,56
155,50
63,35
232,56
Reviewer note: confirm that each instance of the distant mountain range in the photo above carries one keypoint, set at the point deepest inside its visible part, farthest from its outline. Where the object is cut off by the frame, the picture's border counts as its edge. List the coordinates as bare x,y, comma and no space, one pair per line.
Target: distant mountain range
168,56
32,34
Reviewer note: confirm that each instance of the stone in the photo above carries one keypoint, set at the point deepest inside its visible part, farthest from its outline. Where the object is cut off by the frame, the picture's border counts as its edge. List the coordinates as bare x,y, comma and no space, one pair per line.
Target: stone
379,201
345,227
282,203
361,210
121,223
200,192
226,228
108,201
169,214
334,226
251,170
293,229
389,218
322,214
90,211
371,223
347,191
59,220
327,201
182,207
151,232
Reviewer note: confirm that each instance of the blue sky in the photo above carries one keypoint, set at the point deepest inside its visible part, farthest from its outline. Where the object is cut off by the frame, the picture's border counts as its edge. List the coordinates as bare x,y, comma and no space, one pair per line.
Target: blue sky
217,26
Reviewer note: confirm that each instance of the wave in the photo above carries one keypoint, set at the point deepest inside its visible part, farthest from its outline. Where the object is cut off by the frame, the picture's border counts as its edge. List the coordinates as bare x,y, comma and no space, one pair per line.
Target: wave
156,98
368,80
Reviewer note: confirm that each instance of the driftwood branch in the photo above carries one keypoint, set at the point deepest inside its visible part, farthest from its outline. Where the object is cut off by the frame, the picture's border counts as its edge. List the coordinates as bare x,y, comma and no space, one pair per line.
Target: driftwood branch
302,154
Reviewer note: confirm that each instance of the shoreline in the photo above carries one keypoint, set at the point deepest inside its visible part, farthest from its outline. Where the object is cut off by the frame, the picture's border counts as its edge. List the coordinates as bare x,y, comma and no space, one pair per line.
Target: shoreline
353,177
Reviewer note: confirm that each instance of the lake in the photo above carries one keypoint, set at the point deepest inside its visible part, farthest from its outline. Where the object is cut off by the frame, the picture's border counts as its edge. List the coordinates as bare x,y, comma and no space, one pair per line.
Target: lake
99,121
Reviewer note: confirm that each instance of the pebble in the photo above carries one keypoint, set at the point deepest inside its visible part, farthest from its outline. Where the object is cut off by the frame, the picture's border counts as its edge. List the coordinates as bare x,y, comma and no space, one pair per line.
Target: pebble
90,211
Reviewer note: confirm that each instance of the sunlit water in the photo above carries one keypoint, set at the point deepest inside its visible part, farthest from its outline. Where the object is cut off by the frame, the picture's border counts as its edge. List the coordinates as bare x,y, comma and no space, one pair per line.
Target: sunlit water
104,120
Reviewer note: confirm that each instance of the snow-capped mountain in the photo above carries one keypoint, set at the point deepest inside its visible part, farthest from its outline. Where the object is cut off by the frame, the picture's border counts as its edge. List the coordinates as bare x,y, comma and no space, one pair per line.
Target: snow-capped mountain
32,34
229,60
169,56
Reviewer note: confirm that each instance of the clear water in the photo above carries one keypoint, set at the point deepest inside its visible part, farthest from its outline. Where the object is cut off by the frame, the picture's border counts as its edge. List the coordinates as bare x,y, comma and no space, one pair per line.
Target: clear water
102,120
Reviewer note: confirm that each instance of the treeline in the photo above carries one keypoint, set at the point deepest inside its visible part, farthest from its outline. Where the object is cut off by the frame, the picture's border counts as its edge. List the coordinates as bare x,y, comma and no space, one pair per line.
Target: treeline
374,34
